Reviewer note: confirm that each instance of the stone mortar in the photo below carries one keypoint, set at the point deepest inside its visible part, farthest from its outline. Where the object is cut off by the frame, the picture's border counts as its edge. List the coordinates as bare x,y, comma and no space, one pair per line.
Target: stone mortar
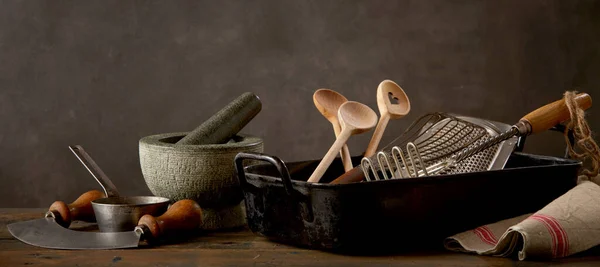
203,173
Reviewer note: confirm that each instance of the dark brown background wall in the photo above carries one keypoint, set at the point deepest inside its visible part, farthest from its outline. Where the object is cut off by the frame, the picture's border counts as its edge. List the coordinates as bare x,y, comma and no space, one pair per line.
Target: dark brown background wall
103,74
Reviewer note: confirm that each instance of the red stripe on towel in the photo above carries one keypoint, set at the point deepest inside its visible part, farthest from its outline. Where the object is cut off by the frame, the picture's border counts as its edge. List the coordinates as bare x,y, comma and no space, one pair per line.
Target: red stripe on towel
490,234
560,240
486,235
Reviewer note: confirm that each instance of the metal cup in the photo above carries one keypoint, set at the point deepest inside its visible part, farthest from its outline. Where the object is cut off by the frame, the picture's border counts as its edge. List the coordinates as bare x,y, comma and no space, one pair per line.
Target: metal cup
116,213
120,214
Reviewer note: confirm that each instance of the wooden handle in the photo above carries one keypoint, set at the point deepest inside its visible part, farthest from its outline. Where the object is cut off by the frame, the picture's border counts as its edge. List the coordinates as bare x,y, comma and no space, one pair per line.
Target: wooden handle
80,210
183,215
328,158
346,158
374,143
353,176
554,113
345,153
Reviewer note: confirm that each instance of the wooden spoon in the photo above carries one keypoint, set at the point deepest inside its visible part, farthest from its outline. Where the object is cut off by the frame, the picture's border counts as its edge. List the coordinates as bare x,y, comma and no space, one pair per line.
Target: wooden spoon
355,118
328,102
386,91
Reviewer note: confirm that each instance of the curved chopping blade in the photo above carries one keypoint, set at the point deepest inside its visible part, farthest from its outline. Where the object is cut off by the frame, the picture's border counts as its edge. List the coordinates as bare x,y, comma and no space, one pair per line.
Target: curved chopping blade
47,233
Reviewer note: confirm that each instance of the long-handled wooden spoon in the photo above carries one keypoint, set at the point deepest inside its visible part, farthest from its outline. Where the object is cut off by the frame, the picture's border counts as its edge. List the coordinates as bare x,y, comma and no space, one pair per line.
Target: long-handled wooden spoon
386,92
355,118
328,102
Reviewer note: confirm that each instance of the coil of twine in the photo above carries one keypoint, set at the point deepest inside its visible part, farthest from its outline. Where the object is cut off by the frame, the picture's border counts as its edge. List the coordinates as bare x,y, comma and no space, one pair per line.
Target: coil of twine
583,137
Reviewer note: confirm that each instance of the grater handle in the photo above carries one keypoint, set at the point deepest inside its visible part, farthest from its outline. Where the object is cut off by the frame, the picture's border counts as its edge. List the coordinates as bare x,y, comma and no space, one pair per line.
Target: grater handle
284,174
548,116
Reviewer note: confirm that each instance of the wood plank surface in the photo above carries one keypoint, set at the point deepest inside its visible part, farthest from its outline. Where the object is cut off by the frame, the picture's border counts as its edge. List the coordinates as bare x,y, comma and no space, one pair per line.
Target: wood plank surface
233,248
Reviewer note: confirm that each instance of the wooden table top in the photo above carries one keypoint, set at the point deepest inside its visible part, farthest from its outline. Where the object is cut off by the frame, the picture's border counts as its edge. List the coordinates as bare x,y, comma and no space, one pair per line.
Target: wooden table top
239,248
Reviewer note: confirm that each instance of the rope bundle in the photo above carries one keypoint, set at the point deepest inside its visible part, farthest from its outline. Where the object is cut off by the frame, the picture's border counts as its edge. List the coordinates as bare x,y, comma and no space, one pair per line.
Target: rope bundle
582,135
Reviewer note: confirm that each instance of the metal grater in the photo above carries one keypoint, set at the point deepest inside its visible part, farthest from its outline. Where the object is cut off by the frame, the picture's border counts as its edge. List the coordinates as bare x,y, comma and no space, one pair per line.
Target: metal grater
422,149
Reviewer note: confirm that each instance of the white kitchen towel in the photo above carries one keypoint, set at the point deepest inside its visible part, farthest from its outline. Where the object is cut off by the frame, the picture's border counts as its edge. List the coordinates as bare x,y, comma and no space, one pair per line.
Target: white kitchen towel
568,225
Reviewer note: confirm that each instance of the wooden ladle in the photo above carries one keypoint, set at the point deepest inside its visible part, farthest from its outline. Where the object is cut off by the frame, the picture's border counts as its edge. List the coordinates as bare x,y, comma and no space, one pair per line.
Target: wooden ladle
355,118
386,91
328,102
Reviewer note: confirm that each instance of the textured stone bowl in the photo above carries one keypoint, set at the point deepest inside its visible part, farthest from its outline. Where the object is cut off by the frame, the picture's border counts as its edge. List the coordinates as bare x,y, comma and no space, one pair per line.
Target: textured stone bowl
204,173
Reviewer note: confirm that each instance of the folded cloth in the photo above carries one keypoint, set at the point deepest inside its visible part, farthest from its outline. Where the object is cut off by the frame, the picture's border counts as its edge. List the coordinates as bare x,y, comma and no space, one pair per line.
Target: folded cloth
568,225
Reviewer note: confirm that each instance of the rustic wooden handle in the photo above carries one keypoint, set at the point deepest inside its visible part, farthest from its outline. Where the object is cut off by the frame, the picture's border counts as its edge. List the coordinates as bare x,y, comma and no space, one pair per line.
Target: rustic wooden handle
353,176
345,153
328,158
376,138
346,158
80,210
183,215
554,113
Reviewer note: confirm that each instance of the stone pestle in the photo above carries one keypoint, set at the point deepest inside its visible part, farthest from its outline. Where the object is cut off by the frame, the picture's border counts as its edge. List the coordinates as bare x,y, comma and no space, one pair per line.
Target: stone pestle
226,123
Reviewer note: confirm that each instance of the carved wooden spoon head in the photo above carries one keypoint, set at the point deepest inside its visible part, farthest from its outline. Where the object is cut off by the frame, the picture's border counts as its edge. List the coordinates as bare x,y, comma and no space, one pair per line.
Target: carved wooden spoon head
356,117
328,102
391,99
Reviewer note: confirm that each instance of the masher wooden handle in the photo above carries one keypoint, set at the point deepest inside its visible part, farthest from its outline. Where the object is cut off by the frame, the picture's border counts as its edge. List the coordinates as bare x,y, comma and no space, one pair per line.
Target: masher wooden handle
352,176
80,210
550,115
183,215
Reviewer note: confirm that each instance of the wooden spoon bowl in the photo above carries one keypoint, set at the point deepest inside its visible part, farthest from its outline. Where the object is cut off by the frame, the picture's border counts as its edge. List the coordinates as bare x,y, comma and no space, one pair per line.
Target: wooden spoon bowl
328,102
393,103
355,118
388,91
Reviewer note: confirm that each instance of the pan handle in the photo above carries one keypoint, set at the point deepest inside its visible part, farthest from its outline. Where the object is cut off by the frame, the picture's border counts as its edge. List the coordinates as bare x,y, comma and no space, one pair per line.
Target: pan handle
561,128
278,163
